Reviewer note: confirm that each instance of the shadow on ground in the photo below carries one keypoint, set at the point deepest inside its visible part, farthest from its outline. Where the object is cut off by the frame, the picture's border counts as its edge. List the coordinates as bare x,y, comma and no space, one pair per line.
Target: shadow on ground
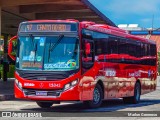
107,106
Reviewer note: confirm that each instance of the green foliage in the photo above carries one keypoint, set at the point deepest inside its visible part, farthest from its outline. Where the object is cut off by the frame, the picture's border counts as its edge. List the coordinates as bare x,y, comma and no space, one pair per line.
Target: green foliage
1,53
10,74
14,43
13,53
14,48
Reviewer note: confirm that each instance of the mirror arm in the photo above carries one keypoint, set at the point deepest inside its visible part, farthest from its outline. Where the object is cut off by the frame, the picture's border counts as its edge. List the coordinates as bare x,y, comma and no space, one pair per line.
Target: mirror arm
10,45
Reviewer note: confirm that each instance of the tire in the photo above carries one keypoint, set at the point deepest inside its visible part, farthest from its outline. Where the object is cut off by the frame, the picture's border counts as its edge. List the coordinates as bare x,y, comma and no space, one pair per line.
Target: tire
97,98
136,98
44,104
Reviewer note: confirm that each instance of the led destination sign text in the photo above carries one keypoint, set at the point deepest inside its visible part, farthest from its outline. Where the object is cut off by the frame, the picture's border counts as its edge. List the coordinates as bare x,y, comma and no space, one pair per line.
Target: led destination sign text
47,27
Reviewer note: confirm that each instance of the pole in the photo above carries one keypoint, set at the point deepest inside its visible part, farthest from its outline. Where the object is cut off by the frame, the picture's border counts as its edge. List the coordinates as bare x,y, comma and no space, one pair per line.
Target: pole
5,59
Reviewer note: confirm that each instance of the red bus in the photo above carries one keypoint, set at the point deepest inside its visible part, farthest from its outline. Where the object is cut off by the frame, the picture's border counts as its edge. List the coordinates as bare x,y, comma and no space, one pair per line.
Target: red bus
68,60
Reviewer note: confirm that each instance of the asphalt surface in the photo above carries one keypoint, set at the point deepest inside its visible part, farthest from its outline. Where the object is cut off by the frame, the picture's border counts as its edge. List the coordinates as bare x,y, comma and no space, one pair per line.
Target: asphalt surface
150,103
7,89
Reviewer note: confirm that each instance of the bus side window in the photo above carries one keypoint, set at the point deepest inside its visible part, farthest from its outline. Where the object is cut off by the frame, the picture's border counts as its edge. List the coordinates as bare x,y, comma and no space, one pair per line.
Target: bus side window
112,45
122,47
101,46
153,54
138,48
88,53
132,48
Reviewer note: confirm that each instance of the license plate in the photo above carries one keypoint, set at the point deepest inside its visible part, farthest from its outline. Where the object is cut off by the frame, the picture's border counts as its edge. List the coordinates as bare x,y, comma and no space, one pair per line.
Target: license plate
41,93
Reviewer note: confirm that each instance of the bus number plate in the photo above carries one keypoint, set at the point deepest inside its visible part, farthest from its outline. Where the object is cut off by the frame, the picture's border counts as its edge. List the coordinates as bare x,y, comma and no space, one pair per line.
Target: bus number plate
41,93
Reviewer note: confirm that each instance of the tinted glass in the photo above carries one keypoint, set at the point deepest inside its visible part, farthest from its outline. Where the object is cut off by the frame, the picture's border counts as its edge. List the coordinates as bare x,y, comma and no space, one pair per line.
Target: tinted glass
48,53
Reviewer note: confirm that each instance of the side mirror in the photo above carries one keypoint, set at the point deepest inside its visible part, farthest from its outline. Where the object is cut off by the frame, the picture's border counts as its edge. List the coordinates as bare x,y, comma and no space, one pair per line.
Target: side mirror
87,48
10,47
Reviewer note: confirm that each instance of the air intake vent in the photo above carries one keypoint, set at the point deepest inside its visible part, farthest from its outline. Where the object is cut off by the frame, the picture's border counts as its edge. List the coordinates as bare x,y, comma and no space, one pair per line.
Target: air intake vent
42,75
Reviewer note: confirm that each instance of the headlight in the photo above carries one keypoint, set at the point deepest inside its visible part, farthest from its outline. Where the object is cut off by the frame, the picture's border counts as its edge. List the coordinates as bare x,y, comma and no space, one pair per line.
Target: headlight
67,86
18,84
16,81
71,84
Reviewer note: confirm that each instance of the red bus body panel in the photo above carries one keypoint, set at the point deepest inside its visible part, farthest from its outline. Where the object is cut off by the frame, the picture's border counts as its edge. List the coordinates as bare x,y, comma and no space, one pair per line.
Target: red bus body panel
118,79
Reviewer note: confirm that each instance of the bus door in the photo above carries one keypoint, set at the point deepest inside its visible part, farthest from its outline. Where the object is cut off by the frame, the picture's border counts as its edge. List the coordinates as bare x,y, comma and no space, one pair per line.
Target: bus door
87,64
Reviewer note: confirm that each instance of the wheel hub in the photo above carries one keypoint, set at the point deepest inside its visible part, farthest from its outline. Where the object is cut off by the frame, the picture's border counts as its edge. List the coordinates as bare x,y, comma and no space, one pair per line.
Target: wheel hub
96,96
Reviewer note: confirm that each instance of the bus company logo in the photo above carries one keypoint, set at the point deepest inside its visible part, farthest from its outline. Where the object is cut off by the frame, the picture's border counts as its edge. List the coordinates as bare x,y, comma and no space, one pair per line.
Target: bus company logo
41,85
53,85
29,84
110,73
135,74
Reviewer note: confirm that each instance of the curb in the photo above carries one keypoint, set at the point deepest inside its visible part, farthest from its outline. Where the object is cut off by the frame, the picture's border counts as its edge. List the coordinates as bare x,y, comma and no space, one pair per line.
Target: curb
6,97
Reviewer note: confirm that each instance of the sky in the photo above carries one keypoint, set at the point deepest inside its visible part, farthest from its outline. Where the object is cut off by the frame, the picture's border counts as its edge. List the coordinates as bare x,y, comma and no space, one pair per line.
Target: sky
141,12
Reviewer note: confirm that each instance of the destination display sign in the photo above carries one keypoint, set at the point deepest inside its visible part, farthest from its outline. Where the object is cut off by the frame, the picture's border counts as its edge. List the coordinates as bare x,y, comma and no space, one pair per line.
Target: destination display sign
48,27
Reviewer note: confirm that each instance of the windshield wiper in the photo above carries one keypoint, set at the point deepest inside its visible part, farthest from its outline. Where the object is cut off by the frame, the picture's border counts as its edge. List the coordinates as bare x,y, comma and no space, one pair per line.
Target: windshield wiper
53,46
31,37
32,42
35,51
34,45
75,48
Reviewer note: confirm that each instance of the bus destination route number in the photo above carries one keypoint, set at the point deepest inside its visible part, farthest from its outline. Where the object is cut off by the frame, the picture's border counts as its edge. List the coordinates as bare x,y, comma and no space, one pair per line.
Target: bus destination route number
46,27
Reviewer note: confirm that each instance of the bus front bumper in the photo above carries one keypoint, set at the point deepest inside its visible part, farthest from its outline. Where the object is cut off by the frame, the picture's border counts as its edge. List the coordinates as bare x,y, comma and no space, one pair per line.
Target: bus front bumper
71,94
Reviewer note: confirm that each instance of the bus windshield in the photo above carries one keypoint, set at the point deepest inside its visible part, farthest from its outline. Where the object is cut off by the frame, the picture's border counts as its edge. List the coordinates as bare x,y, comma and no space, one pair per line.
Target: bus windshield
49,53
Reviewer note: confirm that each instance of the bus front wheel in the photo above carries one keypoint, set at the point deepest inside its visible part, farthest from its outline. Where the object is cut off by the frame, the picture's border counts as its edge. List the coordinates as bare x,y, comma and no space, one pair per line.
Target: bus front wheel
97,98
44,104
136,98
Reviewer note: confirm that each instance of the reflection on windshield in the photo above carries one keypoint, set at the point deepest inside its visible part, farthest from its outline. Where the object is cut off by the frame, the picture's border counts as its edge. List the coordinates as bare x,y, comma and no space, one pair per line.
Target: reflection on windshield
64,56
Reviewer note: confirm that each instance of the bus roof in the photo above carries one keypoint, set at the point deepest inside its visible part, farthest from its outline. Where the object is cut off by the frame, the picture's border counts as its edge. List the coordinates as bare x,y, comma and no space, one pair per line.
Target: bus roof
48,21
97,27
116,31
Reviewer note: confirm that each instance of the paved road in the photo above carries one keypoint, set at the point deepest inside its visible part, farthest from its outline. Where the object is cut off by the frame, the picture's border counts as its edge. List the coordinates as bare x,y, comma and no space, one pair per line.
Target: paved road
149,102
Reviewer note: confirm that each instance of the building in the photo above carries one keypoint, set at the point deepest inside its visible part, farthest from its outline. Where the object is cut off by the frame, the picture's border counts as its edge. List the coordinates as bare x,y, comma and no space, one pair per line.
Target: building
149,33
12,12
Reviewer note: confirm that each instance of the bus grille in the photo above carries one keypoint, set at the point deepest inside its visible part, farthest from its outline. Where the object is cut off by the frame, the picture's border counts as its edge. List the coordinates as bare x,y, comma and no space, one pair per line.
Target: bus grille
53,93
41,75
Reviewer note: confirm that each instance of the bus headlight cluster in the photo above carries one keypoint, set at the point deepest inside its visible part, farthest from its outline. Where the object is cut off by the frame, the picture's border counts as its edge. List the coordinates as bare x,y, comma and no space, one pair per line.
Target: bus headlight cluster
18,84
71,84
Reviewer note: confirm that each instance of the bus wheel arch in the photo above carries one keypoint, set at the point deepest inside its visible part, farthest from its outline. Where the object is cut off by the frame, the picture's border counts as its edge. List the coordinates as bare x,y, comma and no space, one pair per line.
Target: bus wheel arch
138,81
137,93
102,86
